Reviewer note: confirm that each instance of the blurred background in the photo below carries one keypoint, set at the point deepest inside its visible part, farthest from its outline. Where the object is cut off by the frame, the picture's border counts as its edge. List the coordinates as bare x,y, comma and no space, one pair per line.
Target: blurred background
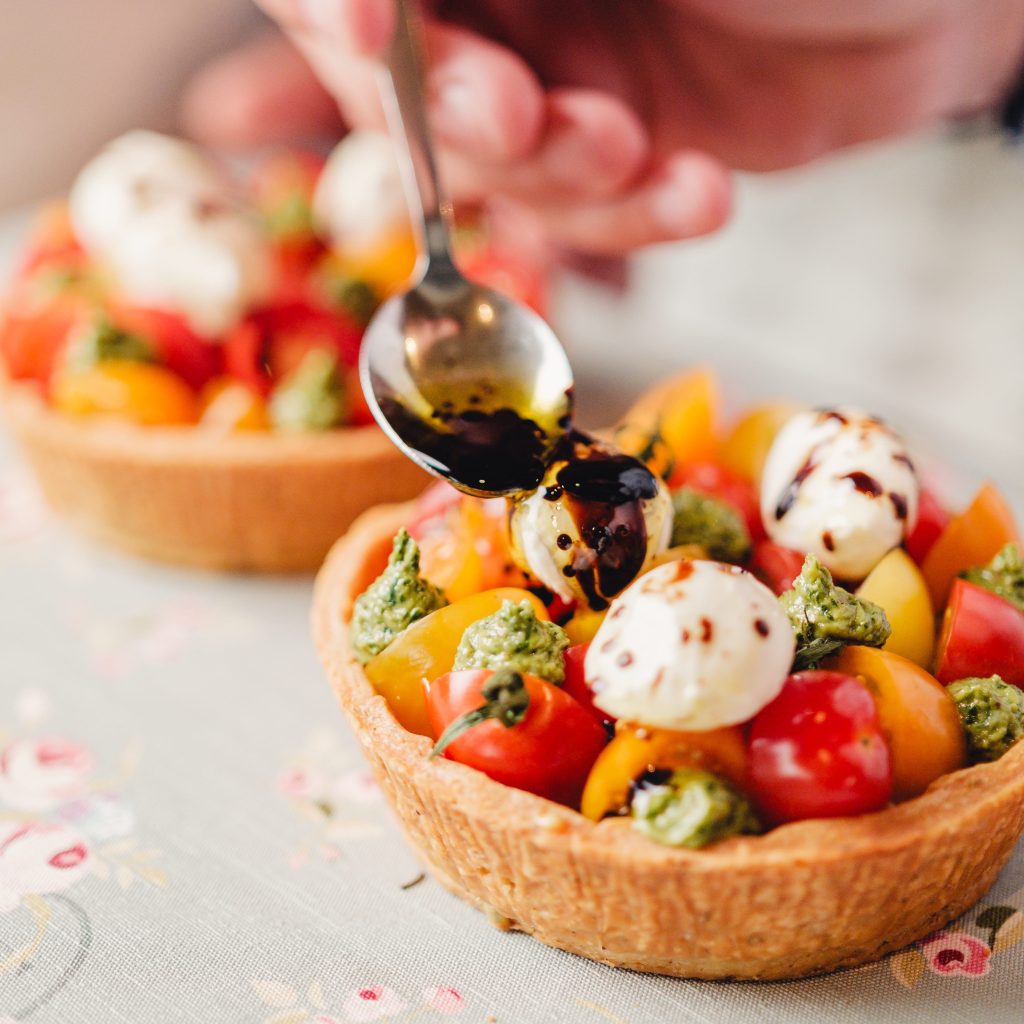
889,276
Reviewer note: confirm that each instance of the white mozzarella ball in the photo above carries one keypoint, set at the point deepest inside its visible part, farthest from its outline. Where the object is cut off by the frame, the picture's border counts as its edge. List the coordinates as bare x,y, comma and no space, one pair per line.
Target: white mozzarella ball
359,201
691,645
839,484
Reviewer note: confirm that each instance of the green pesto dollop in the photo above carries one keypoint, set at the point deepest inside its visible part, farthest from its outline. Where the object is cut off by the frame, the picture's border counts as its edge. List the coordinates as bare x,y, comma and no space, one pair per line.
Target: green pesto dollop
826,617
1004,575
352,296
396,599
513,637
101,342
692,808
993,715
715,525
311,397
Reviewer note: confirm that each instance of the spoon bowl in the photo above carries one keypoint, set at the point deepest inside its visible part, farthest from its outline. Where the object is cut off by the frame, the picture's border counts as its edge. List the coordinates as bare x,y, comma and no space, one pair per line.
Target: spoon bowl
470,384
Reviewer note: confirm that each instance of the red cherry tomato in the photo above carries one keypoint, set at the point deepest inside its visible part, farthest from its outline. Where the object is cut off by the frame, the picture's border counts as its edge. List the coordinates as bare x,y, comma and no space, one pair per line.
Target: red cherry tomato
575,683
195,359
431,508
33,336
273,340
550,752
932,519
982,635
775,566
818,751
721,483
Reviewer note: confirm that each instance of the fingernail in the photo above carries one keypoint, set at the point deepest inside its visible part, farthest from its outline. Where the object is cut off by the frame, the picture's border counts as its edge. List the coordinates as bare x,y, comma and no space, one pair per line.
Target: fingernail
674,201
458,112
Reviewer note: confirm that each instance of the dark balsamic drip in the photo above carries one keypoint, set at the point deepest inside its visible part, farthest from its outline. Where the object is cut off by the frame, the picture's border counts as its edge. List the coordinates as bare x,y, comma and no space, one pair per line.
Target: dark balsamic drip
828,540
650,778
707,631
789,495
761,627
865,484
564,541
832,414
899,503
604,493
497,451
905,460
552,493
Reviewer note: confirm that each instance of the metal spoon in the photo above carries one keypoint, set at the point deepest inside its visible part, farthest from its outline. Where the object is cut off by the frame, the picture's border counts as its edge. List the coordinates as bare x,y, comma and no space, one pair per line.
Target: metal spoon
473,386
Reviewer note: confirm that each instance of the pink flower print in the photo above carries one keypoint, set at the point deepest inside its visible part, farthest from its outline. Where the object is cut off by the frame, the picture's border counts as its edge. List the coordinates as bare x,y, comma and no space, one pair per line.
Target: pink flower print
39,859
39,775
956,953
101,816
301,783
444,999
363,1004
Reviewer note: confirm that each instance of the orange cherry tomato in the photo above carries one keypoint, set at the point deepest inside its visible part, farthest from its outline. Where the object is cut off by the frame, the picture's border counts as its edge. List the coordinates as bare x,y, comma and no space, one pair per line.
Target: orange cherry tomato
426,651
636,750
228,405
918,717
972,538
672,424
140,392
35,328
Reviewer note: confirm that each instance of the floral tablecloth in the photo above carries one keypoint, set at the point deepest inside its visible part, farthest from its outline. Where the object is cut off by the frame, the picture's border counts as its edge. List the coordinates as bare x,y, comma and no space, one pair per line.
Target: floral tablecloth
188,833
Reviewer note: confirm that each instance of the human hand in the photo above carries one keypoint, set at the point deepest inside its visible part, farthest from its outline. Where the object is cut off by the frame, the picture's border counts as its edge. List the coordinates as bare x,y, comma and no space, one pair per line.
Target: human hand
613,120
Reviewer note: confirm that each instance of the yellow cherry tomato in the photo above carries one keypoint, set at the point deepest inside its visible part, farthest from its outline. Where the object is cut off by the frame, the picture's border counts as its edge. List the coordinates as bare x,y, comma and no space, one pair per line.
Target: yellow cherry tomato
635,750
918,717
141,392
746,445
229,405
386,266
673,423
583,626
972,538
897,585
679,553
426,650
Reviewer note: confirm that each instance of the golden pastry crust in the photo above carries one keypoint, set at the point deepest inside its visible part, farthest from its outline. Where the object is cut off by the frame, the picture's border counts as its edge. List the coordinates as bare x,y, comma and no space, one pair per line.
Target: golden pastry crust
246,501
805,898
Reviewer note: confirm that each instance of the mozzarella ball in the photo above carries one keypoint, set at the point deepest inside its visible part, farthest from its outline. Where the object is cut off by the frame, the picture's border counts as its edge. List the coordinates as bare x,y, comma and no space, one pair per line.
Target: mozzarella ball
691,645
596,522
839,484
171,231
359,201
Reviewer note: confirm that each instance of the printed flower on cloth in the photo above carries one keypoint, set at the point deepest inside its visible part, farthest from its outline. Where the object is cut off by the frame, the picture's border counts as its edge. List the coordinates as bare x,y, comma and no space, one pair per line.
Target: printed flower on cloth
363,1004
956,953
38,775
38,858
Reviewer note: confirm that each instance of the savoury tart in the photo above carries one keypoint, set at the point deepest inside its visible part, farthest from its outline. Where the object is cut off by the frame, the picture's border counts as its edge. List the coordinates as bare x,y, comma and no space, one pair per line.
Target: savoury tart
807,897
241,501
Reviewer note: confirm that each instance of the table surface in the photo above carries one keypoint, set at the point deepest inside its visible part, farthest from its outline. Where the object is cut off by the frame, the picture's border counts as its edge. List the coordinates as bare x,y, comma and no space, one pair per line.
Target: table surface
187,831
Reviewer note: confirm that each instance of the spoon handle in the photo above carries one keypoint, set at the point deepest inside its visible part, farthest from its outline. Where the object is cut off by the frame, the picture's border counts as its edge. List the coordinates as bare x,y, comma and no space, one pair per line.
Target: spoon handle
404,107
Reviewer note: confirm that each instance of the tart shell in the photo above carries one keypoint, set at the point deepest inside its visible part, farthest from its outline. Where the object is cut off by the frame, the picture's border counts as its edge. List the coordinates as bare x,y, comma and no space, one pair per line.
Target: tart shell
243,501
805,898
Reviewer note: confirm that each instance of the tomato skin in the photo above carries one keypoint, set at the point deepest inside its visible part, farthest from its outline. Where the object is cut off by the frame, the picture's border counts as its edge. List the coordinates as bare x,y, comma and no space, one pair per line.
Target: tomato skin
33,339
718,482
431,508
775,566
982,635
550,752
193,358
575,682
932,519
818,750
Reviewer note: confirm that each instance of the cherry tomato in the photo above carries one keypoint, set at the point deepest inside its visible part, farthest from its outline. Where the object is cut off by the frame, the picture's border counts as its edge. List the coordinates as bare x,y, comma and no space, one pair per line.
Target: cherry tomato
746,446
426,650
272,341
972,538
919,719
718,482
575,682
52,242
33,334
636,750
775,566
818,750
932,519
982,635
550,752
193,358
431,508
228,405
140,392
